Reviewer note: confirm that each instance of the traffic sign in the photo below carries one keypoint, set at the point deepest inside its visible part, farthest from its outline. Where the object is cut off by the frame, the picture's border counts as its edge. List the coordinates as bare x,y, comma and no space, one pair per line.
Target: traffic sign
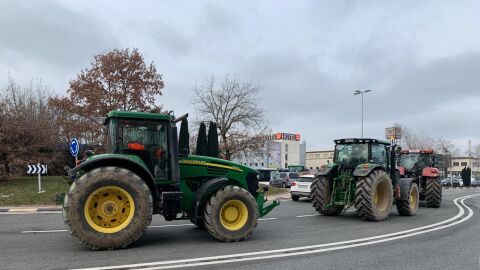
38,169
74,147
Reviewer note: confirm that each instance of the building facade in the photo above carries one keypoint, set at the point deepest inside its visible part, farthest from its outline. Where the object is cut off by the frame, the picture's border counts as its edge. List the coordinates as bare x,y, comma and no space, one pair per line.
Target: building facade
316,159
457,164
280,151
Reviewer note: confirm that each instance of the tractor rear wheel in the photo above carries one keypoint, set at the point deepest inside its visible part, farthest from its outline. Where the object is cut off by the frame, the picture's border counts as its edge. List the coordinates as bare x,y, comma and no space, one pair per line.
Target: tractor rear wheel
321,194
108,208
433,194
374,196
409,207
231,214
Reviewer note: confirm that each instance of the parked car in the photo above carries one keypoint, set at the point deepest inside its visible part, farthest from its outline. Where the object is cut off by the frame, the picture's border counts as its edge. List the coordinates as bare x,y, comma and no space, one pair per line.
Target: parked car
301,187
284,179
266,175
474,182
447,182
456,182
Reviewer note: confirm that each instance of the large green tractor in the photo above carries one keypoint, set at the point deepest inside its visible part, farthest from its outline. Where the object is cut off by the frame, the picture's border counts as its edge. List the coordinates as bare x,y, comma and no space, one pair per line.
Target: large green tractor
363,174
111,203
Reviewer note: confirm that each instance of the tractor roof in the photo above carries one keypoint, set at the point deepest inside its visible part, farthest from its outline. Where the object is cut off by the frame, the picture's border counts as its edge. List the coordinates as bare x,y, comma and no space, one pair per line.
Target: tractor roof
140,115
360,140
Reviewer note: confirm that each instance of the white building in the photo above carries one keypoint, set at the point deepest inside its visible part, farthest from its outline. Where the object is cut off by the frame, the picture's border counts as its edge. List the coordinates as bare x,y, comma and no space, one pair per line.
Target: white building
280,151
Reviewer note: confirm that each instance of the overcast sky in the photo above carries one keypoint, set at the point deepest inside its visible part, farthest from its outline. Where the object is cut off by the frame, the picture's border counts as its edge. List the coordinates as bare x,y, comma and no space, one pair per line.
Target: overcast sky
420,58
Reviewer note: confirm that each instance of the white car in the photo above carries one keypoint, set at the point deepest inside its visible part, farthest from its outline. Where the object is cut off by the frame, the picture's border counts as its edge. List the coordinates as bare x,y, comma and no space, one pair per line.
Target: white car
301,186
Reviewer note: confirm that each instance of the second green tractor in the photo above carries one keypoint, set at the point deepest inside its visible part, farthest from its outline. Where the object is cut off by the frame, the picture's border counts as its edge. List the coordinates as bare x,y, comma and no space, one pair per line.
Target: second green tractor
363,174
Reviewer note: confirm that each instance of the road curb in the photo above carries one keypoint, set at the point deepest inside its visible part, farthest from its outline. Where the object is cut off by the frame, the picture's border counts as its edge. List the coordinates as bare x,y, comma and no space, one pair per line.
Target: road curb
27,209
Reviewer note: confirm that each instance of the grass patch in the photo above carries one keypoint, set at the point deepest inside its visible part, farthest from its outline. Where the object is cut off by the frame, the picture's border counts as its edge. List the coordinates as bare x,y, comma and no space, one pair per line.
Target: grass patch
274,190
24,190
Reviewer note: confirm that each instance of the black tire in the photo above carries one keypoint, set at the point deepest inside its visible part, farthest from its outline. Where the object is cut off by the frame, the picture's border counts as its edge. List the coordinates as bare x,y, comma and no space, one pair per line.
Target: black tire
212,215
377,183
295,198
409,207
199,223
320,195
433,194
74,206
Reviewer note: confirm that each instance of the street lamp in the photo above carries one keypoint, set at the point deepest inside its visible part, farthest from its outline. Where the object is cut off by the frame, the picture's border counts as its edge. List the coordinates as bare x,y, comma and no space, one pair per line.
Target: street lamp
358,92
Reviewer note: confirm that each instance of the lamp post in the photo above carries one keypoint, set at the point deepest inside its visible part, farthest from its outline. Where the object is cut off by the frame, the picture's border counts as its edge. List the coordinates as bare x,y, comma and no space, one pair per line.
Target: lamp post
358,92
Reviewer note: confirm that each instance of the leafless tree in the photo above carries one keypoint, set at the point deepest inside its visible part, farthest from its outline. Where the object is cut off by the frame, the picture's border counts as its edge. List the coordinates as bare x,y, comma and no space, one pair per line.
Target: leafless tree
235,107
27,130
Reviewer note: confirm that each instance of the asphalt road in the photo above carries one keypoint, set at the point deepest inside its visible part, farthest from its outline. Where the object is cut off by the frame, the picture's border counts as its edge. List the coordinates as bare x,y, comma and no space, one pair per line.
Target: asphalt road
290,237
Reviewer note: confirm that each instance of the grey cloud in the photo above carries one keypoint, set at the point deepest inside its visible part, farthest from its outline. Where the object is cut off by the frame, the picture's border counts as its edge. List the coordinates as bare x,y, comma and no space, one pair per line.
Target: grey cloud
46,32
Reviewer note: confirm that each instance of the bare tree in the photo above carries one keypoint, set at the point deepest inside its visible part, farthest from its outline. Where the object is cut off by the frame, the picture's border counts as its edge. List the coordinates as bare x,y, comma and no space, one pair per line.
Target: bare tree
234,106
27,132
415,140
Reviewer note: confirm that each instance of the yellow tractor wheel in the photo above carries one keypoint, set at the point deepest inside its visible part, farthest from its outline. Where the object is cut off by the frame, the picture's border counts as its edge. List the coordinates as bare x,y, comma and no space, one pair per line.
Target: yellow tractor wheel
231,214
108,208
374,196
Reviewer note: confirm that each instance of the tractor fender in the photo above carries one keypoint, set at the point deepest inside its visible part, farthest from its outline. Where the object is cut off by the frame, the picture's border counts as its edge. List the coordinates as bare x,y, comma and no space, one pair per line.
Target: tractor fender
402,170
402,191
125,163
430,172
204,192
326,170
365,169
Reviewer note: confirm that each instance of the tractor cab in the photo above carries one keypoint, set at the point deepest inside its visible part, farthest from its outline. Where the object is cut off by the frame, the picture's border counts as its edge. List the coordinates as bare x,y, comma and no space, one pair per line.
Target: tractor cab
414,161
149,137
349,153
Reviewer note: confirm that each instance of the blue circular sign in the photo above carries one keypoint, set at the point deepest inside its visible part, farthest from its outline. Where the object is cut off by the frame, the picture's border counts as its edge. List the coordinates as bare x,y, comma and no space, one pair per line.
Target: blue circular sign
74,147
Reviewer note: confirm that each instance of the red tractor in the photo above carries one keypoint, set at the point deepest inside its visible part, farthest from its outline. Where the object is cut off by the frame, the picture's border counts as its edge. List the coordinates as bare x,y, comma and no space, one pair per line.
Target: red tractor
421,166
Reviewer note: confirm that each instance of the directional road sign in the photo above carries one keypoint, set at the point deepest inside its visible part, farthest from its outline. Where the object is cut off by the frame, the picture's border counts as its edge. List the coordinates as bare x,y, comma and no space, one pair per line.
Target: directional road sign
37,169
74,147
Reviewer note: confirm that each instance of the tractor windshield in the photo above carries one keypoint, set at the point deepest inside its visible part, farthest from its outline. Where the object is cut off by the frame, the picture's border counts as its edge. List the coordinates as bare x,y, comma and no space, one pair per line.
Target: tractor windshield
414,161
146,139
351,155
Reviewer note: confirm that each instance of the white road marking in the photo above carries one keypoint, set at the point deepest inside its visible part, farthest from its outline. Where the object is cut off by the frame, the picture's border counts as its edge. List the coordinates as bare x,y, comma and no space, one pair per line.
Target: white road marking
271,218
151,226
281,253
47,231
313,215
171,225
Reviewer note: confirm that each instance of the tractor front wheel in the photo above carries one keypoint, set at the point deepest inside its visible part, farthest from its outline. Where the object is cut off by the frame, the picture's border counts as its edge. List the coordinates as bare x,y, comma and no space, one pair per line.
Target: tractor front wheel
374,196
409,207
433,194
231,214
108,208
321,195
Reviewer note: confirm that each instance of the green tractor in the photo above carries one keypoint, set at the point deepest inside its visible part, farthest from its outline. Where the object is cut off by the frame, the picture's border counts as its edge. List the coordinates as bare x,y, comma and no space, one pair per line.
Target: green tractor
111,203
363,174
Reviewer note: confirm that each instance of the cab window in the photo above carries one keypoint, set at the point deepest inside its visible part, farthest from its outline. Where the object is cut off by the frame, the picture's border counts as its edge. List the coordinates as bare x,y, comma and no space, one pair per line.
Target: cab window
379,154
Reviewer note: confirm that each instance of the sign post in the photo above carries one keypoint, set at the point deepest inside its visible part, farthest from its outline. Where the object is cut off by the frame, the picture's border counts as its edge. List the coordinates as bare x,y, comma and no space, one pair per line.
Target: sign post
74,148
38,169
